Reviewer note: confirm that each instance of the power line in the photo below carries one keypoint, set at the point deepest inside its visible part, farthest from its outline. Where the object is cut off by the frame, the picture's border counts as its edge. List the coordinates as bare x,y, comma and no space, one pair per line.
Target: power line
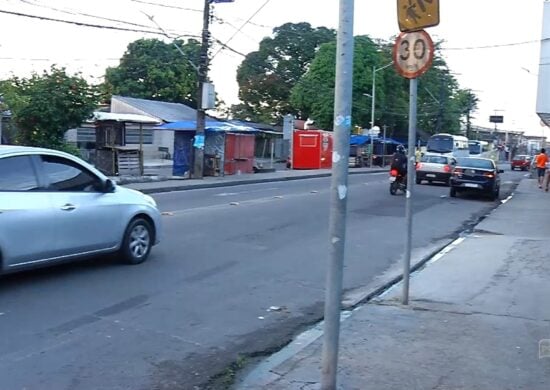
168,6
242,26
99,26
497,45
76,13
83,24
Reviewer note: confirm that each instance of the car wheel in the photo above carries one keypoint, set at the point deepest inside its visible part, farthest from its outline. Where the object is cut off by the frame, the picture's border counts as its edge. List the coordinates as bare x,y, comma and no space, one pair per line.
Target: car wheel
452,192
495,194
137,242
418,181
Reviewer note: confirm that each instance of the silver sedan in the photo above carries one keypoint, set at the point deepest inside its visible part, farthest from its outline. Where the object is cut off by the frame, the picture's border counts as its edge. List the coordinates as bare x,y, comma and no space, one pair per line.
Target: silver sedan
55,207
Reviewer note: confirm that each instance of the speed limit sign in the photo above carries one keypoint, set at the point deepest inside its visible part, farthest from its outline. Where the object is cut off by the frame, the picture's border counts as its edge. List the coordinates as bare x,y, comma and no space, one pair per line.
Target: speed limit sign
413,53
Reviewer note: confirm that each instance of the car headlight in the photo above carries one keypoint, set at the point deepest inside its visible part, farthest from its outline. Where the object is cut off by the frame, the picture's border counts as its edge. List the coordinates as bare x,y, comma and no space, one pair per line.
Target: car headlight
150,200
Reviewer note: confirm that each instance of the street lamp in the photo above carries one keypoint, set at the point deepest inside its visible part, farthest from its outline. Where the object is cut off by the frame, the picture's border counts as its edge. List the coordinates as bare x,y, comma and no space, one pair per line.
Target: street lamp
374,70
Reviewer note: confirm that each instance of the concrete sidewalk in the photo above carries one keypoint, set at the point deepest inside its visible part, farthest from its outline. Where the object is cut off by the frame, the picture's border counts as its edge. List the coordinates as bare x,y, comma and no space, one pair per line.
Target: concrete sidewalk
166,184
477,317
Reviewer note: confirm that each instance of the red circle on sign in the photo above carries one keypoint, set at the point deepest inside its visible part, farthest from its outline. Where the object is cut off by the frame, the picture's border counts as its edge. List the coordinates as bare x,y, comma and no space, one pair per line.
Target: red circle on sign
413,53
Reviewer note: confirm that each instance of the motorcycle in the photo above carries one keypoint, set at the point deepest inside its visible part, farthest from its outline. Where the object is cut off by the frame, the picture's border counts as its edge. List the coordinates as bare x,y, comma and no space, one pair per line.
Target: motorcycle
397,182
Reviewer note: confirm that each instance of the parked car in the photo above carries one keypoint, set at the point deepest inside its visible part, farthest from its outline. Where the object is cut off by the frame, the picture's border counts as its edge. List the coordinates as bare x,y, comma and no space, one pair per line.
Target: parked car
55,207
434,167
476,174
521,162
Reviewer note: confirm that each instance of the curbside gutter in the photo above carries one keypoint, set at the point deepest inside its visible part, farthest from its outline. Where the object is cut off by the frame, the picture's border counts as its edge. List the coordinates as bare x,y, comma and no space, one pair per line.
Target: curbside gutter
231,183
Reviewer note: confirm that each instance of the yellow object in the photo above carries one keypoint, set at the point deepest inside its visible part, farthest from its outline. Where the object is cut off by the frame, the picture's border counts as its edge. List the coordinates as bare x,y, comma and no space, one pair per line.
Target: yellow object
414,15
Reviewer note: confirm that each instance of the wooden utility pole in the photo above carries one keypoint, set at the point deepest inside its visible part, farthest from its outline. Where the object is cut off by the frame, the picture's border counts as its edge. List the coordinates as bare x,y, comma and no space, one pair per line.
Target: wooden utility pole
198,161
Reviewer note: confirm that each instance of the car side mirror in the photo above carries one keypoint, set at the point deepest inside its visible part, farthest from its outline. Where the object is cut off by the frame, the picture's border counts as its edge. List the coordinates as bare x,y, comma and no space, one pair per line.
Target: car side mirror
108,186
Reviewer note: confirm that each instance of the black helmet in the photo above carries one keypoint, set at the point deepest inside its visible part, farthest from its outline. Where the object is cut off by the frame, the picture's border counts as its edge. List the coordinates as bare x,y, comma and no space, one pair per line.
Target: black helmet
400,149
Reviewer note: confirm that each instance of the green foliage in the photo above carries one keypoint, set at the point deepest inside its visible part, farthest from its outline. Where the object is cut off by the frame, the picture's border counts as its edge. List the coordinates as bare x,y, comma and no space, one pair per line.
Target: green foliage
441,103
45,106
153,69
267,76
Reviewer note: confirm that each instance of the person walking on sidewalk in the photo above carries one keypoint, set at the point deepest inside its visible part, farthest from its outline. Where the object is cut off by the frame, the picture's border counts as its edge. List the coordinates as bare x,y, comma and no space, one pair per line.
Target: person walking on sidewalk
540,162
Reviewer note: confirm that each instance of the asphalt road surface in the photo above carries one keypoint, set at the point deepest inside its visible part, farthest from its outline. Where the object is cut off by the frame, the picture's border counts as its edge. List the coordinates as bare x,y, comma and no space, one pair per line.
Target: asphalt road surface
201,301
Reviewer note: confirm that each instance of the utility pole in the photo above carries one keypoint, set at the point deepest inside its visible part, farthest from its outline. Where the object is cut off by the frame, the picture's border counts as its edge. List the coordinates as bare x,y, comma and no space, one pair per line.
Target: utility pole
198,161
384,147
338,194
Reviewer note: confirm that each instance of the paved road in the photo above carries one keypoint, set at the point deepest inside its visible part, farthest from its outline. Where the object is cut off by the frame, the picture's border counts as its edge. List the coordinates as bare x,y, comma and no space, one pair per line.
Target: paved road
227,255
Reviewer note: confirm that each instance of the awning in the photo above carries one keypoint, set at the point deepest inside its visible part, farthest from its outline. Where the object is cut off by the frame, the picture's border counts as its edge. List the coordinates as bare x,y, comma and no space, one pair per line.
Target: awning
100,116
365,139
209,126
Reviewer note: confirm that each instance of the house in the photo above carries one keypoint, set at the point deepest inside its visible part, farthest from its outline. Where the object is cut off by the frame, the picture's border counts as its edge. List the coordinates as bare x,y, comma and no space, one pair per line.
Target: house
156,143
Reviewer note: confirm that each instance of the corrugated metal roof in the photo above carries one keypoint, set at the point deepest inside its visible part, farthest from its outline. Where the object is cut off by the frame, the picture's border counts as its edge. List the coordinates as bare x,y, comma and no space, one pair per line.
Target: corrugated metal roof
167,112
134,118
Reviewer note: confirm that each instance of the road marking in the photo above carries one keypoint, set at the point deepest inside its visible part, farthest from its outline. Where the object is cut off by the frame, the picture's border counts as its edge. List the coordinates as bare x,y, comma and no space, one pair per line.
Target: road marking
246,192
446,250
507,199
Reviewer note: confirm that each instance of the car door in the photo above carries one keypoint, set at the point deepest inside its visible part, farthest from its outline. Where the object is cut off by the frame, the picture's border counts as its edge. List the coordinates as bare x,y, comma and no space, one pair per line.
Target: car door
86,219
26,214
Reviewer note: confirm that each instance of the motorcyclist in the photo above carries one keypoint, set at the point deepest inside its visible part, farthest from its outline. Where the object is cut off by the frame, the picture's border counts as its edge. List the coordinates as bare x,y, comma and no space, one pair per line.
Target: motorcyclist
399,161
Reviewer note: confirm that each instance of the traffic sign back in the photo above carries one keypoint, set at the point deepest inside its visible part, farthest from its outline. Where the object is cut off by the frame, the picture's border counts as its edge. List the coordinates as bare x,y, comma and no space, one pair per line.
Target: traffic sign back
414,15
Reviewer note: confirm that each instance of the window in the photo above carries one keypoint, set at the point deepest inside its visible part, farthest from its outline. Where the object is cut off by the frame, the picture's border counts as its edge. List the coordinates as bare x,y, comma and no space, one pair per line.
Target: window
65,175
476,163
440,144
17,174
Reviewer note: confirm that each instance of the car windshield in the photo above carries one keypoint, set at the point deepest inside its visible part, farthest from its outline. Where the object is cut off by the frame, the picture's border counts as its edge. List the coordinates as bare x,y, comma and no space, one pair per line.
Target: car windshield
474,148
478,163
434,159
442,144
521,158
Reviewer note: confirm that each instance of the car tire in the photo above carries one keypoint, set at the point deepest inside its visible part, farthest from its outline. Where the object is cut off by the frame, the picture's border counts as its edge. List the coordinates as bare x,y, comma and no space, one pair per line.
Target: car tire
137,241
452,192
418,181
495,194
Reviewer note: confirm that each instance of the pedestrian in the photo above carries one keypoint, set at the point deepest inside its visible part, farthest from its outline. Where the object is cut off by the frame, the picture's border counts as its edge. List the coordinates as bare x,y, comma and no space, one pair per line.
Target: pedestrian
540,162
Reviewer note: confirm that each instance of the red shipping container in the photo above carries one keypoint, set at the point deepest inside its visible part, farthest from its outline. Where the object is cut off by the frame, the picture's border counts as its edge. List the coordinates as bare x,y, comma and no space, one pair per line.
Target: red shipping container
239,153
312,149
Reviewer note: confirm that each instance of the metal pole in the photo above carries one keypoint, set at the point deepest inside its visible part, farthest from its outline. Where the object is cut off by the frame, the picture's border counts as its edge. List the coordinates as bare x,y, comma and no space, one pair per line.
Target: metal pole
141,168
384,150
338,194
372,113
198,164
410,183
272,151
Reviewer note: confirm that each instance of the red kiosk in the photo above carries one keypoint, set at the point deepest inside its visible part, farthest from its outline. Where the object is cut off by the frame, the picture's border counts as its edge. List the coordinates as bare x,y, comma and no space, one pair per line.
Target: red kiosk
312,149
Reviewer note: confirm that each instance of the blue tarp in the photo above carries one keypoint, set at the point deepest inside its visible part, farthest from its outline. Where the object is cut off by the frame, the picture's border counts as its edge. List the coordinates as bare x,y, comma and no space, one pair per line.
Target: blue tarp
210,125
365,139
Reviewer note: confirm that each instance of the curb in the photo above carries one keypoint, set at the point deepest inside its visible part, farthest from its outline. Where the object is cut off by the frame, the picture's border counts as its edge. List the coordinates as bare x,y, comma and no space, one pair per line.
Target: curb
263,373
197,186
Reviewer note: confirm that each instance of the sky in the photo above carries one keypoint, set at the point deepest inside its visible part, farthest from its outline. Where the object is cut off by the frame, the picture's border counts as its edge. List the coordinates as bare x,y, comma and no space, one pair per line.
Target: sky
491,46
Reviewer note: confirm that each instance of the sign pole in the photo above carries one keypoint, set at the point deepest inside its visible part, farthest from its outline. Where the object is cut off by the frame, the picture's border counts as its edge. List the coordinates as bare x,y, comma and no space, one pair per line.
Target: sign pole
338,194
411,159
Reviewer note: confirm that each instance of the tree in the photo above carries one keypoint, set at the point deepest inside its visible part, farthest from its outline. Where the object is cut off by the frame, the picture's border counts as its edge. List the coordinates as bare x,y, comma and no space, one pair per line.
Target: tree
439,105
156,70
45,106
267,76
313,95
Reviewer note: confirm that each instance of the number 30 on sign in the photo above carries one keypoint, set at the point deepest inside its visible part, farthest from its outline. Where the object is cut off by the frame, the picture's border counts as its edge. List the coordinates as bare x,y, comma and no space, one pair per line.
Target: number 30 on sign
413,53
